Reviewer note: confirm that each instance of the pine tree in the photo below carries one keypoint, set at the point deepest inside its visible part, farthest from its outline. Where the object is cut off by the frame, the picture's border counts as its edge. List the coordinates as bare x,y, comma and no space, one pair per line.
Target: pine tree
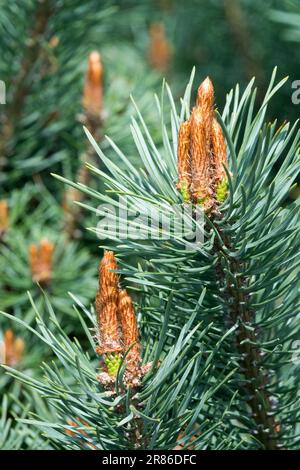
196,352
43,242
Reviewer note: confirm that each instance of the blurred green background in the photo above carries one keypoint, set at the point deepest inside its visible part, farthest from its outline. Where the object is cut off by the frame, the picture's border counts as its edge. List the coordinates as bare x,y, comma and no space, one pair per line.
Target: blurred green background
45,46
44,50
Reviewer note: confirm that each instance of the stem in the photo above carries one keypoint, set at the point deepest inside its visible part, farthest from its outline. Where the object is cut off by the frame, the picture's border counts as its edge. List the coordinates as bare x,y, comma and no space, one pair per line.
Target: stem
256,376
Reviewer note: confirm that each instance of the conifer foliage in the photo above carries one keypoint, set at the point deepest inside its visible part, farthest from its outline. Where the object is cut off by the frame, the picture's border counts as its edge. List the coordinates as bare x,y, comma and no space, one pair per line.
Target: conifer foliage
185,337
212,368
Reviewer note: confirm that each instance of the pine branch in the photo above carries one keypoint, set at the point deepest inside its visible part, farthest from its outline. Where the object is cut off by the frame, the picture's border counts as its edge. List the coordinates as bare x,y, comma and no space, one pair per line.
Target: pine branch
256,381
159,414
250,242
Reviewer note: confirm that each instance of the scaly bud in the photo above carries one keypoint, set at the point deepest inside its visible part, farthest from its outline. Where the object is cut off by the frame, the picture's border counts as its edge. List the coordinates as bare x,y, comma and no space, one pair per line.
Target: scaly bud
3,216
40,261
200,146
184,160
117,327
93,86
128,322
106,306
11,349
130,332
202,153
160,51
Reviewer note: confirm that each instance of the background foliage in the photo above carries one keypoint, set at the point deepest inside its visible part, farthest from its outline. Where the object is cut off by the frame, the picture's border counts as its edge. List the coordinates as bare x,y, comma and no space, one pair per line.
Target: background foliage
44,48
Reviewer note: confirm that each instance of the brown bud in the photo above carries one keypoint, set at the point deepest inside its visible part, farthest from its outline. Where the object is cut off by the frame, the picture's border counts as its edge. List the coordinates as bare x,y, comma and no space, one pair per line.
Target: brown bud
200,146
219,151
184,158
130,332
127,317
106,306
160,51
40,261
93,86
203,159
3,216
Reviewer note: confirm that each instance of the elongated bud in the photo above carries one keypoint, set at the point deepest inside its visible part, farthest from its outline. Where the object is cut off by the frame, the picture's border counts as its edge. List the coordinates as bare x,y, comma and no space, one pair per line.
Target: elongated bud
41,260
106,306
11,349
201,156
3,216
160,51
204,157
183,155
117,328
127,317
93,86
130,332
200,147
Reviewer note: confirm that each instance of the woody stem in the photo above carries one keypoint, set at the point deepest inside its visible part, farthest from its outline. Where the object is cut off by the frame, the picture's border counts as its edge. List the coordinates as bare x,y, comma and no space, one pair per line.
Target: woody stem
251,365
22,84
